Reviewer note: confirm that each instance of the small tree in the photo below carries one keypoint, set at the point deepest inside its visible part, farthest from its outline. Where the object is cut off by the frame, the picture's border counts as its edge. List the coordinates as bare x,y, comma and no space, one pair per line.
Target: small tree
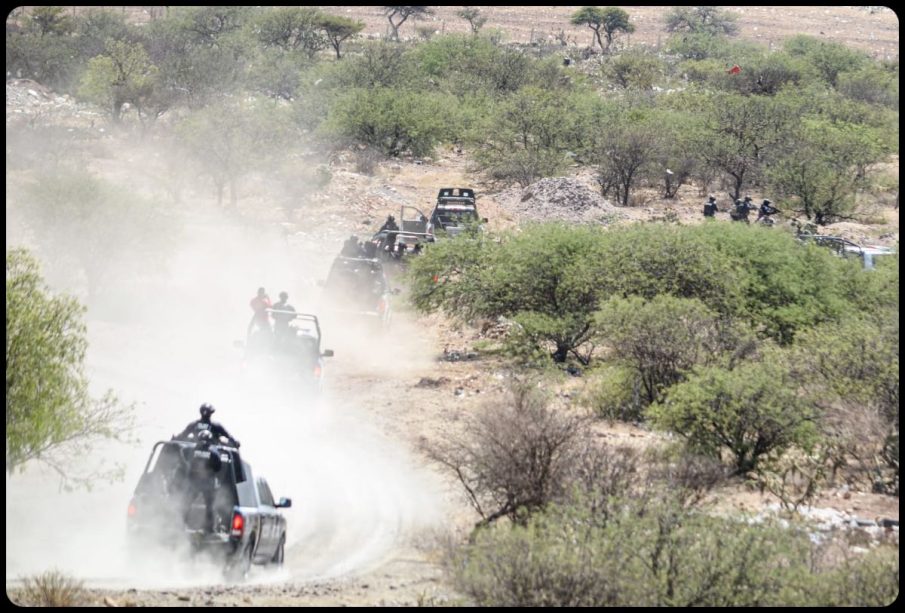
514,458
753,411
404,12
123,74
824,167
87,228
741,134
50,416
53,20
292,28
391,120
228,141
624,154
830,59
661,340
338,29
473,16
709,20
610,19
634,70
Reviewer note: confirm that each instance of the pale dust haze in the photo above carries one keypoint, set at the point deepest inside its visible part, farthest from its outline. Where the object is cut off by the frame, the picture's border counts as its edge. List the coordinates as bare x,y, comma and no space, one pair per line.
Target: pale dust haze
162,337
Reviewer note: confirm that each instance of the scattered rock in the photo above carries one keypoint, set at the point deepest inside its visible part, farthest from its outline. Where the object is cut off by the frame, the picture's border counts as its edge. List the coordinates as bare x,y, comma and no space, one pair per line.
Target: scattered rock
428,382
110,602
185,598
457,356
563,199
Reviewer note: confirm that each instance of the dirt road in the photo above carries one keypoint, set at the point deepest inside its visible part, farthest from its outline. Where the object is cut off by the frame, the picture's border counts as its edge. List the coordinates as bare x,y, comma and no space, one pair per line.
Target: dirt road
364,508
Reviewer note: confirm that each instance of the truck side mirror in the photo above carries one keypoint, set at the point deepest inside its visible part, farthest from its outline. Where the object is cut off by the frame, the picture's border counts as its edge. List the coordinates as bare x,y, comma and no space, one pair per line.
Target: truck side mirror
328,353
284,503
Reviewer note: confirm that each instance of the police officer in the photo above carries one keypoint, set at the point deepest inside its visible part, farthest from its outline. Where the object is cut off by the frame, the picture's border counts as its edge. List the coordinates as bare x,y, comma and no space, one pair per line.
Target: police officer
350,247
389,224
205,424
742,210
203,470
710,208
281,320
766,209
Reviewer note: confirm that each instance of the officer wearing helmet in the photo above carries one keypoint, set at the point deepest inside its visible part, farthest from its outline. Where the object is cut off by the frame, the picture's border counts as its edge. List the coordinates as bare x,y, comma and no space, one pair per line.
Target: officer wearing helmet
391,228
742,209
194,430
389,224
351,247
710,208
766,209
282,313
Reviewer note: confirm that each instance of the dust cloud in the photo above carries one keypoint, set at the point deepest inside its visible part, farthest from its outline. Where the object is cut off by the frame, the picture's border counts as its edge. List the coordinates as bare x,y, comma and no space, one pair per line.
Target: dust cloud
163,337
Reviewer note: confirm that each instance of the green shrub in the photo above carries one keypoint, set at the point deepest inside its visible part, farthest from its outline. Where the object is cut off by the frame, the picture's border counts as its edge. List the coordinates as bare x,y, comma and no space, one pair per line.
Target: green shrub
615,394
754,412
830,59
657,554
661,339
393,121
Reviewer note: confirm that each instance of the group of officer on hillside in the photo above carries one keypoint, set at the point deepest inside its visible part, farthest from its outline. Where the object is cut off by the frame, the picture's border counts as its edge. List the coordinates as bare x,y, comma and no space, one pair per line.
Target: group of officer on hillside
742,209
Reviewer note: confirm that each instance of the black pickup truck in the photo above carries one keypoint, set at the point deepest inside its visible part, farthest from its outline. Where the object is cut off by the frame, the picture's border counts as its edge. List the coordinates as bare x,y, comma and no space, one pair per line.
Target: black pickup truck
248,527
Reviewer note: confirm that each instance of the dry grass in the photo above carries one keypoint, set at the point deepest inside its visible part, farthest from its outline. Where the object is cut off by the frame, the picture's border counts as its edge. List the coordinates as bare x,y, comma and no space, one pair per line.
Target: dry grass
52,589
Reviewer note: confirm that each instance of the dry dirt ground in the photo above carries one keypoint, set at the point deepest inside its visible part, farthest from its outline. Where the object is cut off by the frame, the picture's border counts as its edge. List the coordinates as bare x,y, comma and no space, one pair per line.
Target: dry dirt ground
386,399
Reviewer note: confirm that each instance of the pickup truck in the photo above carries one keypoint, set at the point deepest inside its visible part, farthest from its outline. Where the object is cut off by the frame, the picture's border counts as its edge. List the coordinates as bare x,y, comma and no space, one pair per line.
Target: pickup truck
846,248
357,288
454,211
295,355
248,526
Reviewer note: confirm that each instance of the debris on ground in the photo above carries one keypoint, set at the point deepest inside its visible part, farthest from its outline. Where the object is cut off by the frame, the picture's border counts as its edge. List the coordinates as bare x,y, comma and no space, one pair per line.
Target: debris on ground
558,199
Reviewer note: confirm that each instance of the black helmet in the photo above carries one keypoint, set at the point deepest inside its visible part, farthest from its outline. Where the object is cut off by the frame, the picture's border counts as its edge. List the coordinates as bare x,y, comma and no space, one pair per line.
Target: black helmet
391,218
284,296
206,409
261,291
712,197
766,201
747,197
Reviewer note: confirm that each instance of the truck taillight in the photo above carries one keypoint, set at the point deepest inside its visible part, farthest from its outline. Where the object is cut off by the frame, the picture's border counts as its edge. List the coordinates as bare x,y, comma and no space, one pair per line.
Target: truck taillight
132,509
382,306
238,524
317,371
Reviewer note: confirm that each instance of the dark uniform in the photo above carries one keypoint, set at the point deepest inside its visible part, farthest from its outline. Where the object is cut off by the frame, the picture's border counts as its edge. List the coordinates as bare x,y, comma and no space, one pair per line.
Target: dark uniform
205,424
281,320
766,209
203,479
710,208
389,224
742,210
351,248
391,228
